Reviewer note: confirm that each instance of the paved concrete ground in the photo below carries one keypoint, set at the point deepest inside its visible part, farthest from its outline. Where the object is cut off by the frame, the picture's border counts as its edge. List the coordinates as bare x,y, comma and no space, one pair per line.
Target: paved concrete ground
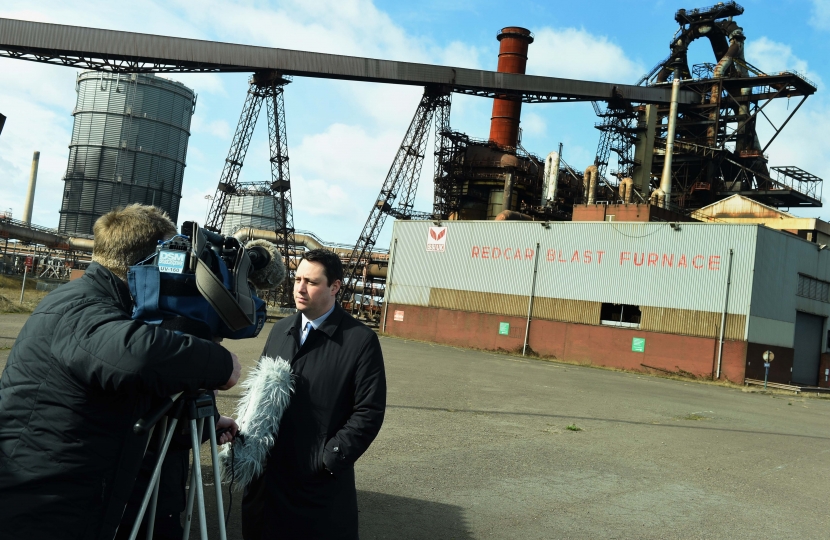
476,445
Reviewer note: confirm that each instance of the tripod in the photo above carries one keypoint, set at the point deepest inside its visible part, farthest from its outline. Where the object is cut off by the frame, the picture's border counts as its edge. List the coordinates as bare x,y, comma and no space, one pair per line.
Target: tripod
197,408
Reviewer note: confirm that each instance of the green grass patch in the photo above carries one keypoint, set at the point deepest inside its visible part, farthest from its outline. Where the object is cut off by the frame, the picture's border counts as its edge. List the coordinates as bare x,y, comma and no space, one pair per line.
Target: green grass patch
573,427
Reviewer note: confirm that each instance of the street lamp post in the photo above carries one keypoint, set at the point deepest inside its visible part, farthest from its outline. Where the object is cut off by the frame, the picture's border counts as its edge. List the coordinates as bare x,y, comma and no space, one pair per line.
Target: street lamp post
768,356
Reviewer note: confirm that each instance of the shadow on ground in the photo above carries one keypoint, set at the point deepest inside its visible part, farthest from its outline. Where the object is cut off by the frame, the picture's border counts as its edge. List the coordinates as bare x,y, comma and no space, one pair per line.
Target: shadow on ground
385,516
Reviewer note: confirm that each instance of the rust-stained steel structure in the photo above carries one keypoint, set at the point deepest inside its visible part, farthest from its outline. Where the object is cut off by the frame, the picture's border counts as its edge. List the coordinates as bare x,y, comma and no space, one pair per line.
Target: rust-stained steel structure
504,124
397,195
716,149
497,176
265,87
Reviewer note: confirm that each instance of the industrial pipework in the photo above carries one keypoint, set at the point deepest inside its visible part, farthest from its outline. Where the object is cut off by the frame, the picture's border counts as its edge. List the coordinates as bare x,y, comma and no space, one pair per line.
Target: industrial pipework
551,178
590,179
626,189
504,124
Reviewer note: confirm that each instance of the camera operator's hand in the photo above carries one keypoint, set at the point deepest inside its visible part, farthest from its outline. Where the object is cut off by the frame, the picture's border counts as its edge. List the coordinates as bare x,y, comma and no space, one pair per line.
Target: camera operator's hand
237,371
228,428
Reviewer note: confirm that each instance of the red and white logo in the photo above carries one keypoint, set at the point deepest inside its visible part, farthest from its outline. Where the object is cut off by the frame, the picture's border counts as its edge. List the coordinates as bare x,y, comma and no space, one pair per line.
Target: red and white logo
437,239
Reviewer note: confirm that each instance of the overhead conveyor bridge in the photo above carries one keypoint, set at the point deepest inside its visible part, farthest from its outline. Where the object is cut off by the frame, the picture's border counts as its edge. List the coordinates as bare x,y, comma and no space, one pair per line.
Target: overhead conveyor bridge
130,52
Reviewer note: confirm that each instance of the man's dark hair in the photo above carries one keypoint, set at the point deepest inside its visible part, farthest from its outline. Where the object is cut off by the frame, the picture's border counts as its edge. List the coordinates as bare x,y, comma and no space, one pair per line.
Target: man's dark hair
330,261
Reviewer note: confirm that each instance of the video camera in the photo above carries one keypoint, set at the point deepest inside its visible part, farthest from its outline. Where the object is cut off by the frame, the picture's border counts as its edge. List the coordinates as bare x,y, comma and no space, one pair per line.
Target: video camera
204,284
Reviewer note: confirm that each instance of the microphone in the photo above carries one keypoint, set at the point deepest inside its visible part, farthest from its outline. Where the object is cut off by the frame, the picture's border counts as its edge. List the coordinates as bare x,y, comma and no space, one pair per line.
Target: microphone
268,269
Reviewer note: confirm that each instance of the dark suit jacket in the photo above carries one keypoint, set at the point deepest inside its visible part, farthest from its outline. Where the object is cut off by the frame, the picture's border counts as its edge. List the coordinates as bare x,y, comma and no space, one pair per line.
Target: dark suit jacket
335,413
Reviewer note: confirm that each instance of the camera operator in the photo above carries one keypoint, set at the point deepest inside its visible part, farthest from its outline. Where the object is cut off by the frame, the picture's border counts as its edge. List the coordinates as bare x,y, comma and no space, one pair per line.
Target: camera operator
80,374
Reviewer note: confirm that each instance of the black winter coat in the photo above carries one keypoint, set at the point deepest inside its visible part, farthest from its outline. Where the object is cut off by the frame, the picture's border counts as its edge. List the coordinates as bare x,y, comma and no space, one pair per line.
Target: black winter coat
80,374
335,413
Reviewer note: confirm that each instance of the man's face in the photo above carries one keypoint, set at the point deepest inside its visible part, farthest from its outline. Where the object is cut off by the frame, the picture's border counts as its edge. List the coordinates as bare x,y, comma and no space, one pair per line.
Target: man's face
312,293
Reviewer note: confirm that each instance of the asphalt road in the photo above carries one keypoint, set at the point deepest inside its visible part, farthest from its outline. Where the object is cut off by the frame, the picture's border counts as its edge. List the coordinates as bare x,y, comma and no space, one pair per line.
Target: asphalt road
477,445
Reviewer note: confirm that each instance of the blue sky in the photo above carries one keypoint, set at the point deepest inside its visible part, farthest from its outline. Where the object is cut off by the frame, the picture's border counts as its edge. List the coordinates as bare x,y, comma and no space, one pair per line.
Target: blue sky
342,136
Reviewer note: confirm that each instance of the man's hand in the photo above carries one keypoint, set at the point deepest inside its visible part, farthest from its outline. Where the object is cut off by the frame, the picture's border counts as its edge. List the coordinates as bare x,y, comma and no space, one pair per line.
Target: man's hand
237,371
230,428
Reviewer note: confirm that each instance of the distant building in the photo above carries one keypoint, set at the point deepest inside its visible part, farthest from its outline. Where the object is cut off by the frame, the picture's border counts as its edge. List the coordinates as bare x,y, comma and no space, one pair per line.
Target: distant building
740,209
688,298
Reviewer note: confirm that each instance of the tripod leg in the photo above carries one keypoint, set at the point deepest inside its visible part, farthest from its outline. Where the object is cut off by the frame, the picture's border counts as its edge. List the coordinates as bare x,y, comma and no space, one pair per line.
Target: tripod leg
154,480
195,477
217,480
154,501
195,437
191,497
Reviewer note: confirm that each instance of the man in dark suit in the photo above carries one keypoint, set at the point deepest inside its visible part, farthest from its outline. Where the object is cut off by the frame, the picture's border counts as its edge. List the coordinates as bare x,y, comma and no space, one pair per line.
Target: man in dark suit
308,487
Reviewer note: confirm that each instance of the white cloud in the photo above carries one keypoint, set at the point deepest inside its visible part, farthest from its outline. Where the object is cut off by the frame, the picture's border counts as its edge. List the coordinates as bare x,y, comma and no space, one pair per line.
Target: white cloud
458,54
771,57
217,128
533,124
820,14
572,53
339,170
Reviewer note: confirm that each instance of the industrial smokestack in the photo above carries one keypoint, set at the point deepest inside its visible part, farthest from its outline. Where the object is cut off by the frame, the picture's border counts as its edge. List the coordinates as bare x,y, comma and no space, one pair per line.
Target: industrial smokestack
504,124
30,194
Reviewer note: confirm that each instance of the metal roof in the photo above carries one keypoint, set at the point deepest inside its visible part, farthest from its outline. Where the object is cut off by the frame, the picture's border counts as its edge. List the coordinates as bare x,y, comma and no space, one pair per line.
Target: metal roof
112,50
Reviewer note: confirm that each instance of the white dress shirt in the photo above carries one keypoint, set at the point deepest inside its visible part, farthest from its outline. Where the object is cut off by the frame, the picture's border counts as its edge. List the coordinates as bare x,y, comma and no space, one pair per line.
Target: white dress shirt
308,324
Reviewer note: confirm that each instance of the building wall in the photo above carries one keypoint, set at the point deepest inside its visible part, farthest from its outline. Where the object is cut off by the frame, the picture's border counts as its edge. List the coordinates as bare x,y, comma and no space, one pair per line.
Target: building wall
572,342
643,264
481,272
626,212
780,258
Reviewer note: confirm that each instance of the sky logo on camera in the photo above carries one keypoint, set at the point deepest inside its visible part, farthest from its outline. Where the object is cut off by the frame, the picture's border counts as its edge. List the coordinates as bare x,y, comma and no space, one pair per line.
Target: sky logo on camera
171,261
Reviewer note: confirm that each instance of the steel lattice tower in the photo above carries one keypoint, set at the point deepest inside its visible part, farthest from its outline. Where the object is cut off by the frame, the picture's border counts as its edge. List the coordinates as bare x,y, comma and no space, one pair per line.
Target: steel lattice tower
397,196
264,87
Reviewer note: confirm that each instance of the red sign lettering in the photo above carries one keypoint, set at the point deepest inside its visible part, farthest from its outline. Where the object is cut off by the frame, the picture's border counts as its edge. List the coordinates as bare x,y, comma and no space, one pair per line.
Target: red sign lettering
664,260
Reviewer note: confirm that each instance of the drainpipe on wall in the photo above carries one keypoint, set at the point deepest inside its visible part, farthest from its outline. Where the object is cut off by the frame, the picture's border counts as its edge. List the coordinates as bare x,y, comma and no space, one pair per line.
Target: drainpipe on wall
723,315
388,287
530,301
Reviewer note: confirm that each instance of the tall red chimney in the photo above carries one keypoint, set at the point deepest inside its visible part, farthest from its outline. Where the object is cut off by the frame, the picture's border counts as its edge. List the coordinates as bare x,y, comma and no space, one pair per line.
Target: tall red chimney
504,124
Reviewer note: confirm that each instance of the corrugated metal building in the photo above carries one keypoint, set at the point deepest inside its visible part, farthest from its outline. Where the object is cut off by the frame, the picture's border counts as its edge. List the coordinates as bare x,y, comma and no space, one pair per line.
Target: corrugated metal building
629,295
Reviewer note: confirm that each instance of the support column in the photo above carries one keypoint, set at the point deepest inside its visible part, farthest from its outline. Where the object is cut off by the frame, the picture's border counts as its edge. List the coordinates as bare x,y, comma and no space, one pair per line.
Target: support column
644,149
665,181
